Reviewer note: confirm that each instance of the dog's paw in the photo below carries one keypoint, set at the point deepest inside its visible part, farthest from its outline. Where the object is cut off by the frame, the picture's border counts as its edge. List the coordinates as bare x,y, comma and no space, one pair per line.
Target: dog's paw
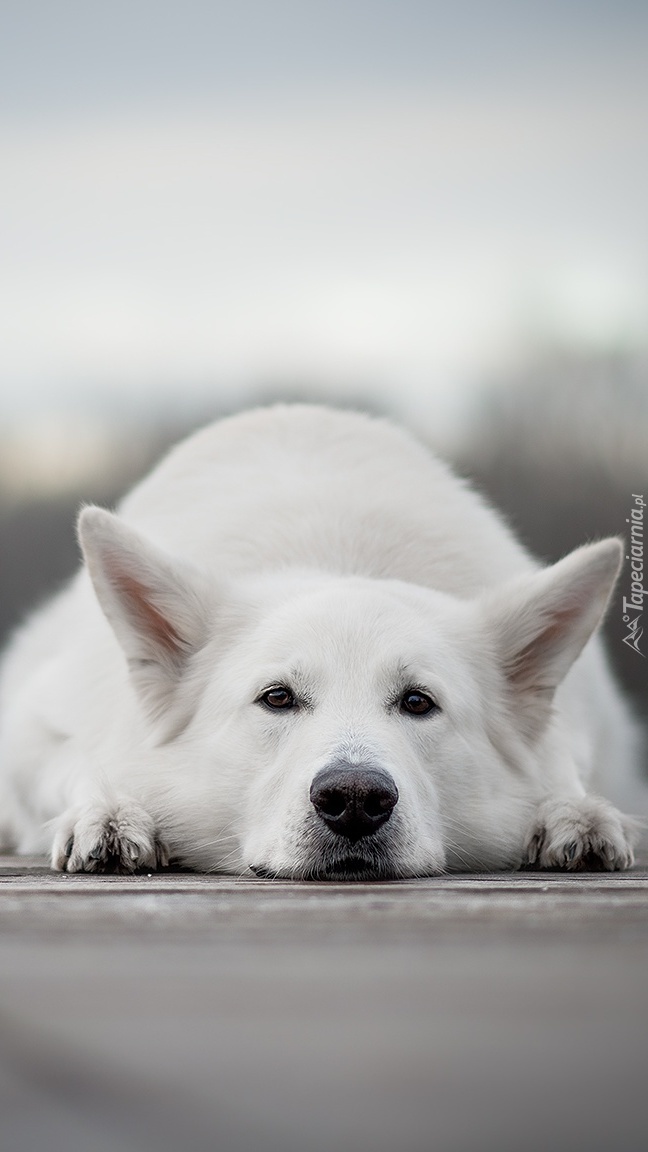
102,838
587,834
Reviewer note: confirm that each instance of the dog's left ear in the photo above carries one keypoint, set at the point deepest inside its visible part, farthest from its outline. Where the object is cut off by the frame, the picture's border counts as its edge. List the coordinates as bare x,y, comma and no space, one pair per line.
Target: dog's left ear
540,623
152,601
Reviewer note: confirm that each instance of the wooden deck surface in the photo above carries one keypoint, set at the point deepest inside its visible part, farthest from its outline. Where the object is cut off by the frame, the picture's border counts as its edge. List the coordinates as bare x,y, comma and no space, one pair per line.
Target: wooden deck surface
183,1012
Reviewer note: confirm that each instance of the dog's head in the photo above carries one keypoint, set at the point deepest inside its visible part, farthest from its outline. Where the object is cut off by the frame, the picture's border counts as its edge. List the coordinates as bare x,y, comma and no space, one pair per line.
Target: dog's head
326,727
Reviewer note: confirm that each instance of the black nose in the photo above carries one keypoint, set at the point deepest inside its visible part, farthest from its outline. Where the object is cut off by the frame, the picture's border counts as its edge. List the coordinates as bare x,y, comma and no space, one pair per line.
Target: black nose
353,801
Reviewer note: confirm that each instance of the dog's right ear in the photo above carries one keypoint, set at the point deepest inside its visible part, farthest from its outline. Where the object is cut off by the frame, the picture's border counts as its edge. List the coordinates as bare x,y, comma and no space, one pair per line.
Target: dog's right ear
153,603
541,622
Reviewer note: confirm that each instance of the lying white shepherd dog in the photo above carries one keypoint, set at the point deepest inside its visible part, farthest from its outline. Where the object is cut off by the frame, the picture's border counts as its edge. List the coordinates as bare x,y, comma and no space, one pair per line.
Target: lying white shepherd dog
303,648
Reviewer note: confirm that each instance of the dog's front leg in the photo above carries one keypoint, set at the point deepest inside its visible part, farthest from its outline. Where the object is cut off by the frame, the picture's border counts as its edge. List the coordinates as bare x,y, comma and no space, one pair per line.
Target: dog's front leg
580,833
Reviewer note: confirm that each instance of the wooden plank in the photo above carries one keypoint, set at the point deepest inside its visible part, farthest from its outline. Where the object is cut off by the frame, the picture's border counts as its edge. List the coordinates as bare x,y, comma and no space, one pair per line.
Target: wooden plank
450,1014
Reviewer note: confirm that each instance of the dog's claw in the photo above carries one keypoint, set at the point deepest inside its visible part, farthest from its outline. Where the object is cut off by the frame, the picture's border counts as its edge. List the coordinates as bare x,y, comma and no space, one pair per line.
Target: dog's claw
533,850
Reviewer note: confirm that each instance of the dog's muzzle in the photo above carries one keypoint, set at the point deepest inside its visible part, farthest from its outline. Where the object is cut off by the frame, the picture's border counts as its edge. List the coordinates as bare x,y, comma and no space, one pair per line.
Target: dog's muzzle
353,801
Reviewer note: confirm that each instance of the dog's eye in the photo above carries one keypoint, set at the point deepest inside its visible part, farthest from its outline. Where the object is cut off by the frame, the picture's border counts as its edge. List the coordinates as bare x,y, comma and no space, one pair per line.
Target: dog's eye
417,703
278,697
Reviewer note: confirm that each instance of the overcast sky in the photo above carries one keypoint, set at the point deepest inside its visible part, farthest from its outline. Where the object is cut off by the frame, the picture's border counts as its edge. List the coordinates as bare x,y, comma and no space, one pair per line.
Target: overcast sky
394,197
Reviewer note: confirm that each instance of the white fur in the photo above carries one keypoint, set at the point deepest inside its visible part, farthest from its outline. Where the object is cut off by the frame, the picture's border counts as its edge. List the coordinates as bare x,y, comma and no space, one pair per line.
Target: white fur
330,553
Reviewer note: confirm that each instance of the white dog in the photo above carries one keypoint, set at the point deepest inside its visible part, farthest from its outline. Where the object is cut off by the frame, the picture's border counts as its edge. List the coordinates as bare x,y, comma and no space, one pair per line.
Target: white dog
304,648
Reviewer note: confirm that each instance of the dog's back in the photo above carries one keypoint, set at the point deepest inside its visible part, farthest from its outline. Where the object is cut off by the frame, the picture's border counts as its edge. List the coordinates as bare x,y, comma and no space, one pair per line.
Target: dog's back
298,485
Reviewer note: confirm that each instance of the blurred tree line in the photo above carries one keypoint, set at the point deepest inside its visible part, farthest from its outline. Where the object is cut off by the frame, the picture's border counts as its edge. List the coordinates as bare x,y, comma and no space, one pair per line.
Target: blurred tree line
559,447
38,545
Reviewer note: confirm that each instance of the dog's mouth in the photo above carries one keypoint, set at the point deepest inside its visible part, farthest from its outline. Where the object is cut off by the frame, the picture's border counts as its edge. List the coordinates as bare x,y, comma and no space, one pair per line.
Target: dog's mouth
348,867
356,868
323,855
351,868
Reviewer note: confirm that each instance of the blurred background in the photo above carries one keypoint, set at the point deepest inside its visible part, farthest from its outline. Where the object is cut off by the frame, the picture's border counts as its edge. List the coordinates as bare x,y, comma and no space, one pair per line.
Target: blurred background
430,210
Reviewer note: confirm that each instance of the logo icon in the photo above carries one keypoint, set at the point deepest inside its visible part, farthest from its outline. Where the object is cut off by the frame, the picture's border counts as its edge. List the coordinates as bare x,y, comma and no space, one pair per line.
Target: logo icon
634,633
